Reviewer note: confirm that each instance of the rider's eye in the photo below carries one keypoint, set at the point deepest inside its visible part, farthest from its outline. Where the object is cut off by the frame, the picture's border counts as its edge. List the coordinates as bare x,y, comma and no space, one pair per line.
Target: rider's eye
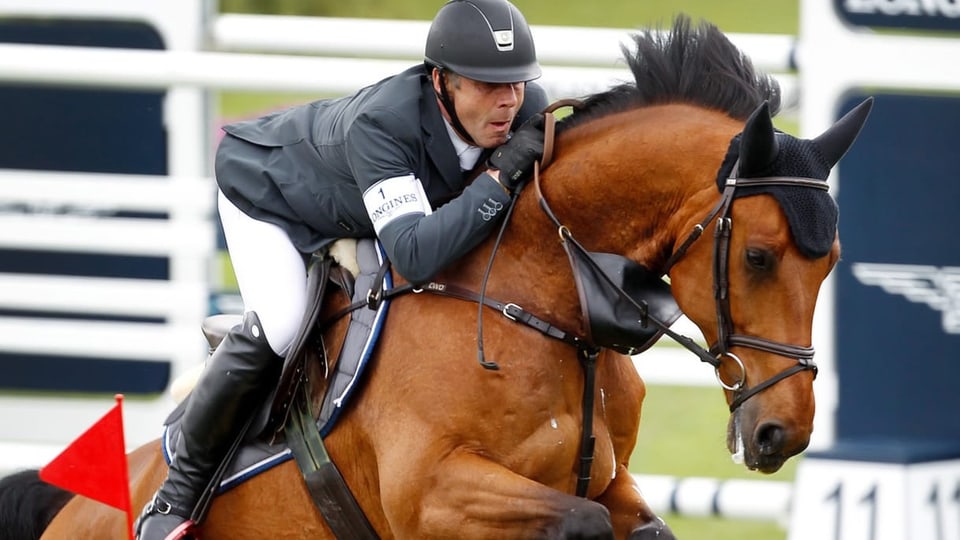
759,259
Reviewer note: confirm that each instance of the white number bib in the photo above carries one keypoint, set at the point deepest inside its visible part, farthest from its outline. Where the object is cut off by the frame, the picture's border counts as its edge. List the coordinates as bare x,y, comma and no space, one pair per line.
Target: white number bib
394,197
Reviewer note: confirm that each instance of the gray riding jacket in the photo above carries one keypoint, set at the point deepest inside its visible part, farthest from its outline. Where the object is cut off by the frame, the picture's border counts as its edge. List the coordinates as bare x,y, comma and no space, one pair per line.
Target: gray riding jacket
306,168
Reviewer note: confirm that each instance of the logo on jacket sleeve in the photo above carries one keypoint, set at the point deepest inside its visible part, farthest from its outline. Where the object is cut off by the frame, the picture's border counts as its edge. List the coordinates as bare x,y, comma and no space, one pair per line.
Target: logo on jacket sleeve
489,209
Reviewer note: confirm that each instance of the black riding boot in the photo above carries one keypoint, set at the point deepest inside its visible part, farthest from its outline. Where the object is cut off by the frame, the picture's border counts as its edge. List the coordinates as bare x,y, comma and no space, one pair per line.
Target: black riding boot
238,377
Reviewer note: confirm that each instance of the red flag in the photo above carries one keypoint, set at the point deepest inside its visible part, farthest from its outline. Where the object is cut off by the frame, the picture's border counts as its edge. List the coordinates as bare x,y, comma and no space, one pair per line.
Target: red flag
95,465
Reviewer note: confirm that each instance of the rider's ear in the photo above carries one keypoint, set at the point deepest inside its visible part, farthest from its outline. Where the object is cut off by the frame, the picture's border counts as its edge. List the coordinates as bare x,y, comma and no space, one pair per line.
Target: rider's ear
758,144
436,79
834,142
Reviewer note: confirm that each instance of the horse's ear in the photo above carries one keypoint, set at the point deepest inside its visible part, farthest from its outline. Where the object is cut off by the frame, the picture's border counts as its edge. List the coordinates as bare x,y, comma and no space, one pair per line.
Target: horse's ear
834,142
758,144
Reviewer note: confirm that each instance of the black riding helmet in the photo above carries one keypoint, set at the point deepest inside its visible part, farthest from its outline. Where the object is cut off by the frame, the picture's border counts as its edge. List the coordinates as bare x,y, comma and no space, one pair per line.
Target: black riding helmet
484,40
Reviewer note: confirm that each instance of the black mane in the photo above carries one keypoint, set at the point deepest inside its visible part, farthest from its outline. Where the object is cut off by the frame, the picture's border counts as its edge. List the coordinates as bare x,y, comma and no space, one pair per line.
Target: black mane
689,64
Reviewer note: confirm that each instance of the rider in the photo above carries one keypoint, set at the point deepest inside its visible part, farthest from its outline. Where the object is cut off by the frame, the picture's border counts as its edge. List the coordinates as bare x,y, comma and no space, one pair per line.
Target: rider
393,161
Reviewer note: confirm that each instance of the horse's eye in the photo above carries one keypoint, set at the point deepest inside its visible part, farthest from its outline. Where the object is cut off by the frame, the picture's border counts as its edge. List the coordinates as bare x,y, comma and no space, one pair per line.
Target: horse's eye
759,259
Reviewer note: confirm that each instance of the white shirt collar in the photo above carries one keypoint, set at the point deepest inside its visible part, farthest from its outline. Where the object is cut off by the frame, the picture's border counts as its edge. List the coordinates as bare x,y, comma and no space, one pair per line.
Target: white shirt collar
467,153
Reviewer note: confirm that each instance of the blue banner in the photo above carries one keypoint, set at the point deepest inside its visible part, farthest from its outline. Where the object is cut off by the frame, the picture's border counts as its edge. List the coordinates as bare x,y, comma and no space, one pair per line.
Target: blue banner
938,15
898,281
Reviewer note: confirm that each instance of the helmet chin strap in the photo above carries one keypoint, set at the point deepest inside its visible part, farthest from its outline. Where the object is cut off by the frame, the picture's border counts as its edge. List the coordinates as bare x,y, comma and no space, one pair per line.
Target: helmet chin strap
447,103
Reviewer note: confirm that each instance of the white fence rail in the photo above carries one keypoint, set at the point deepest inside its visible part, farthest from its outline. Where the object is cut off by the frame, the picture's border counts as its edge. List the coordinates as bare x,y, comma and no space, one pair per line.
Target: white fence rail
100,67
345,54
55,211
576,60
73,212
374,38
767,500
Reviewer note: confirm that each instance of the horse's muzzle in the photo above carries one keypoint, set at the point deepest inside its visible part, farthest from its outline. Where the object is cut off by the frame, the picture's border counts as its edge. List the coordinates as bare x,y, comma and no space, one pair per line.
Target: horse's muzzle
767,446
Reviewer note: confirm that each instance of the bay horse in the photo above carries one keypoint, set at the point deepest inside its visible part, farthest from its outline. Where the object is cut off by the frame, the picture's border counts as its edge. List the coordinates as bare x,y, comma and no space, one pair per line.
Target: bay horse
435,446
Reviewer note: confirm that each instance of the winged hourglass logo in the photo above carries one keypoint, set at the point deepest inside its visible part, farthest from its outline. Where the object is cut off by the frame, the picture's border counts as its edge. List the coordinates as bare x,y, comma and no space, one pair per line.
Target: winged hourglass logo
938,287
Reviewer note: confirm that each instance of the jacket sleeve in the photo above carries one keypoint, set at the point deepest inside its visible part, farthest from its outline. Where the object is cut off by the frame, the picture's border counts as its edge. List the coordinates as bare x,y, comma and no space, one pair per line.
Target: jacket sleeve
421,245
420,242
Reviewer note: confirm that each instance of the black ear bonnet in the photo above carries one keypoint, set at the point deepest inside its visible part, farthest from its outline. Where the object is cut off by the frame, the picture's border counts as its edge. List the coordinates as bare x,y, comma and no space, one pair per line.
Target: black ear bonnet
812,214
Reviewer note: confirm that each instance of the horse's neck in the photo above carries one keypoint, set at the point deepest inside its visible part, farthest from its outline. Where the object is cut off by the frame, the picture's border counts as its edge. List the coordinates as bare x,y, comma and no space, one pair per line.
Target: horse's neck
630,184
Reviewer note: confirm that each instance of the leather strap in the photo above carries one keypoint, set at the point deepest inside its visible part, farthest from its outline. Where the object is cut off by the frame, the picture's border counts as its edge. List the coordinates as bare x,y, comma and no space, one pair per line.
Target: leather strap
549,129
588,361
326,485
508,309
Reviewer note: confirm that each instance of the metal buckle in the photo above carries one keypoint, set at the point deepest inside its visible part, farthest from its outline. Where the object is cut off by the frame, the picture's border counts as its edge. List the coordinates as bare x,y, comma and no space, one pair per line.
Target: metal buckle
724,224
161,506
506,309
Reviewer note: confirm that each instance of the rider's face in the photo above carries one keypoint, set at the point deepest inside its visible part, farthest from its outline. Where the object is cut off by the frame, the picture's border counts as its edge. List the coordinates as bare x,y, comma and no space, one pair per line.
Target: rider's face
486,110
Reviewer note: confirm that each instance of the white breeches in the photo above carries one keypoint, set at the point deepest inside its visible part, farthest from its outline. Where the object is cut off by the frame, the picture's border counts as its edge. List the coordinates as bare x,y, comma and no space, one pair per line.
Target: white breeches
270,271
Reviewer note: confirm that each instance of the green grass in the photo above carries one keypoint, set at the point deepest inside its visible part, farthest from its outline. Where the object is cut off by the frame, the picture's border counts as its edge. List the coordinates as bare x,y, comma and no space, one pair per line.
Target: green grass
237,105
777,16
766,16
682,434
687,528
700,412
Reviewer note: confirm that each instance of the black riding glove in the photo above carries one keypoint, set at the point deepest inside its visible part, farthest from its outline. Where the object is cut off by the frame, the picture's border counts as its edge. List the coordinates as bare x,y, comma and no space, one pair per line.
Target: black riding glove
514,158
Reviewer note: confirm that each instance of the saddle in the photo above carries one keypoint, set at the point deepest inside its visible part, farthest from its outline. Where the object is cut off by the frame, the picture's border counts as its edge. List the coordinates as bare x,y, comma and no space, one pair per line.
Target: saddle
286,426
339,266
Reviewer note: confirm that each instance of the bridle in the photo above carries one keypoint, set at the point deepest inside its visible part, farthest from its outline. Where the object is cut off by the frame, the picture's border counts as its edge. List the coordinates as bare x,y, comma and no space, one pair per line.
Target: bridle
726,336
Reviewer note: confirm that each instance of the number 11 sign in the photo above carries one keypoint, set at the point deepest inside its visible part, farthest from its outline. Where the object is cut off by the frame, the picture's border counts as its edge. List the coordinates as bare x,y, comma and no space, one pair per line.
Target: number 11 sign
860,500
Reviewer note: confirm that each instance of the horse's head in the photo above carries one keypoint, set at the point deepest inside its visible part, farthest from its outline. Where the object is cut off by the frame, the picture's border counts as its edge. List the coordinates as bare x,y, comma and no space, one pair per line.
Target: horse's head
771,241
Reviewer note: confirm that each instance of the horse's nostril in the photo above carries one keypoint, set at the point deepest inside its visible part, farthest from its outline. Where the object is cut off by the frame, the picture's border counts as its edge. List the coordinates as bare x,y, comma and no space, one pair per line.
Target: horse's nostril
770,438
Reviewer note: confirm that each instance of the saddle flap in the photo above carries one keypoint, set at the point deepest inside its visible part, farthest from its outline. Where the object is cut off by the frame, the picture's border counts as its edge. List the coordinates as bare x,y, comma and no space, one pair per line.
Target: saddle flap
215,327
273,417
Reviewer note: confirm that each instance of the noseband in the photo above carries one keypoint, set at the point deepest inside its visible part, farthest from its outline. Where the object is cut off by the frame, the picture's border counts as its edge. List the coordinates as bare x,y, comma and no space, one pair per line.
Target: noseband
726,336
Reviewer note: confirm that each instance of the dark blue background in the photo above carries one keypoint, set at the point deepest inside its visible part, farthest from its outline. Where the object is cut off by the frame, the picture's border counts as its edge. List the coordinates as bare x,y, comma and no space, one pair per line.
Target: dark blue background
899,196
877,19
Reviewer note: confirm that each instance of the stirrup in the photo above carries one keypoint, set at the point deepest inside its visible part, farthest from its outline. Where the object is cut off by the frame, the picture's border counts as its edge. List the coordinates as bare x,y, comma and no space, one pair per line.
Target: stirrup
186,530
